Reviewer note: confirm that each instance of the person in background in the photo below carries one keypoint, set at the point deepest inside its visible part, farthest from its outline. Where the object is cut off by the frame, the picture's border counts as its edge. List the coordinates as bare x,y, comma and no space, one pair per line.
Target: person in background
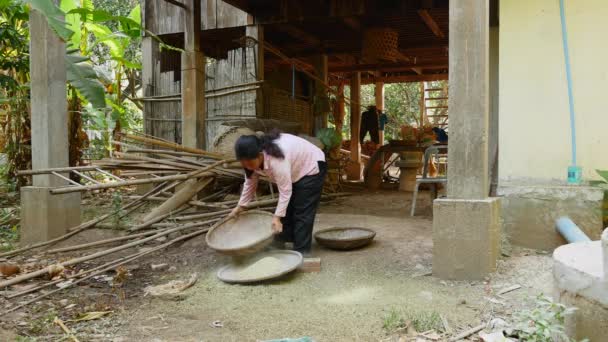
298,168
382,121
441,134
369,123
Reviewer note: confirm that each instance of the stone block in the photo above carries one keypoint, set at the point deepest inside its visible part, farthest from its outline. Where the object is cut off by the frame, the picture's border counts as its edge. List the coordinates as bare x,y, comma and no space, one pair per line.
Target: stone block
580,282
466,238
45,216
529,213
310,265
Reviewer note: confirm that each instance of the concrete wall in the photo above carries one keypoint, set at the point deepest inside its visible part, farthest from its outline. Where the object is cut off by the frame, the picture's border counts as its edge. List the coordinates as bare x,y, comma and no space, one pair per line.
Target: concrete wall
534,117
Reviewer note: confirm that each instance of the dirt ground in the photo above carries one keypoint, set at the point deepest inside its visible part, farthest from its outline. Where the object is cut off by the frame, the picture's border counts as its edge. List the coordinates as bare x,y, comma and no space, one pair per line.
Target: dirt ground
348,300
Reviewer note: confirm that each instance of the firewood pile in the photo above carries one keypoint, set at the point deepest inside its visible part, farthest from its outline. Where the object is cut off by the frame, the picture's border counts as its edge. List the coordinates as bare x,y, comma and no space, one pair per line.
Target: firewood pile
172,213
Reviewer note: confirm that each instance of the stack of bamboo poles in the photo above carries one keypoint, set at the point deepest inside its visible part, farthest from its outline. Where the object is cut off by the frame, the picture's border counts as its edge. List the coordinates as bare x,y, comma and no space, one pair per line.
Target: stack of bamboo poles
184,173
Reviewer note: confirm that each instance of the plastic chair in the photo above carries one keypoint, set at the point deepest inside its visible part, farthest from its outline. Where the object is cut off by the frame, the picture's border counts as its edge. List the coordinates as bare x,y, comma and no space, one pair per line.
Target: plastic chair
430,153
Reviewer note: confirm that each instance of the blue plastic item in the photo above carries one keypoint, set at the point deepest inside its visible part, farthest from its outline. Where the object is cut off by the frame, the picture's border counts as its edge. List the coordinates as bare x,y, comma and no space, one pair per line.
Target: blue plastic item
570,231
576,171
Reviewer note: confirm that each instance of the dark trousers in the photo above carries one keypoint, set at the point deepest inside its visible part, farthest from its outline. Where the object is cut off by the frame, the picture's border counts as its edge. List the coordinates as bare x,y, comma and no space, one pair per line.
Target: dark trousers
302,209
373,133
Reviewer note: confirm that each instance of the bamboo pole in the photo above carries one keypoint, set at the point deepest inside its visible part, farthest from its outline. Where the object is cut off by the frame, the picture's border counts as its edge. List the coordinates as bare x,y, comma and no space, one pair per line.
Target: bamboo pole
115,264
101,242
157,219
182,196
75,261
251,205
157,142
197,173
83,226
156,160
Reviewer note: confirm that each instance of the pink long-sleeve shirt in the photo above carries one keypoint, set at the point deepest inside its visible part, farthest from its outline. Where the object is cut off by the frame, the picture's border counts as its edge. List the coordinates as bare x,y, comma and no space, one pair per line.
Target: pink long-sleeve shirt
301,159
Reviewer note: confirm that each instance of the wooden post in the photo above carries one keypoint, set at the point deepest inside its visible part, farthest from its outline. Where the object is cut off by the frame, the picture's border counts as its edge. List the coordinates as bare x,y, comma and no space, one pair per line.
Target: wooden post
339,110
193,79
422,104
321,107
257,32
354,167
379,94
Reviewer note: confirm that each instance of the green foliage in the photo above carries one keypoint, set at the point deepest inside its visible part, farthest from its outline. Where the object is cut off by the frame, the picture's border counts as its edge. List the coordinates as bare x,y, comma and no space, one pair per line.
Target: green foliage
424,321
392,321
117,207
54,16
603,184
14,90
604,175
419,320
82,76
544,322
330,138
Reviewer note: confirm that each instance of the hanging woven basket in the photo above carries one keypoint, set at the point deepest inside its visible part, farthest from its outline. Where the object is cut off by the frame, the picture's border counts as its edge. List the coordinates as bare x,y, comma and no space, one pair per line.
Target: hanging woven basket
380,45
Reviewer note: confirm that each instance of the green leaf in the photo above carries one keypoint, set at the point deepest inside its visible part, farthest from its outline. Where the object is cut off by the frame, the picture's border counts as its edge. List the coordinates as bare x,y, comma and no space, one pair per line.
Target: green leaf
603,174
72,20
82,76
54,17
107,37
127,63
135,15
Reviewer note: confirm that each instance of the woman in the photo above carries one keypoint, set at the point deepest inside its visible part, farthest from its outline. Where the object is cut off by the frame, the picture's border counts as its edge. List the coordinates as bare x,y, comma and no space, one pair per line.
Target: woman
298,168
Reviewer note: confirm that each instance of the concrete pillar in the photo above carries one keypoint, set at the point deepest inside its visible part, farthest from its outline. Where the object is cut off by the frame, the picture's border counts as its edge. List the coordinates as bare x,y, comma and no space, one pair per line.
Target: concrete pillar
257,32
354,167
193,79
493,125
49,118
379,94
45,216
321,106
466,225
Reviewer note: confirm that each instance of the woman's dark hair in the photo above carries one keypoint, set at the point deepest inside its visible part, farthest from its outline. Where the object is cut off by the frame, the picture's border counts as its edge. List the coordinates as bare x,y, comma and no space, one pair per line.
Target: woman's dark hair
250,146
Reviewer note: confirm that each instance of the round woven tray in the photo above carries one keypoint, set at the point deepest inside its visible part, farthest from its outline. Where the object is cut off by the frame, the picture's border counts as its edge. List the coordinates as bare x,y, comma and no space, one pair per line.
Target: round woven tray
236,272
246,234
345,238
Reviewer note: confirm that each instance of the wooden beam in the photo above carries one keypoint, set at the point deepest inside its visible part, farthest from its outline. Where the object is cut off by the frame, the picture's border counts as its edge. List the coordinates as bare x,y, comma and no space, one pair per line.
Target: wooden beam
177,3
431,23
397,79
298,34
417,70
442,64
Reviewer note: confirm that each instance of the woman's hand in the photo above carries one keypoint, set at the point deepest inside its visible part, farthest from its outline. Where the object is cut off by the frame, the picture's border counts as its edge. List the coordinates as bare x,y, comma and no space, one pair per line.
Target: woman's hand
235,212
277,226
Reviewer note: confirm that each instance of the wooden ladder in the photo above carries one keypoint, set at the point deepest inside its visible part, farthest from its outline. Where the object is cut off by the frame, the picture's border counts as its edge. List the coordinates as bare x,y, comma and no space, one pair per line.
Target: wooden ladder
434,106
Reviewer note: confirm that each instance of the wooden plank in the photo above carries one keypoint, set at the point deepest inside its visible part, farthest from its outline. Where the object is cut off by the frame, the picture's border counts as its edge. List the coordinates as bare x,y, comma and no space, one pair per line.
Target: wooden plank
431,23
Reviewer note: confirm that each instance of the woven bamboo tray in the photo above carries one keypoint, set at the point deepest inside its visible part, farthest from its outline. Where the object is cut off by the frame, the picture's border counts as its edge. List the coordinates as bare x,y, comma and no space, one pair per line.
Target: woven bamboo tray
345,238
237,272
246,234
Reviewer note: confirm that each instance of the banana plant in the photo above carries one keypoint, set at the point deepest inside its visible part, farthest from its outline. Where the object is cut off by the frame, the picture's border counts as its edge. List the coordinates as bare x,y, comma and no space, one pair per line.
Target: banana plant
80,72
